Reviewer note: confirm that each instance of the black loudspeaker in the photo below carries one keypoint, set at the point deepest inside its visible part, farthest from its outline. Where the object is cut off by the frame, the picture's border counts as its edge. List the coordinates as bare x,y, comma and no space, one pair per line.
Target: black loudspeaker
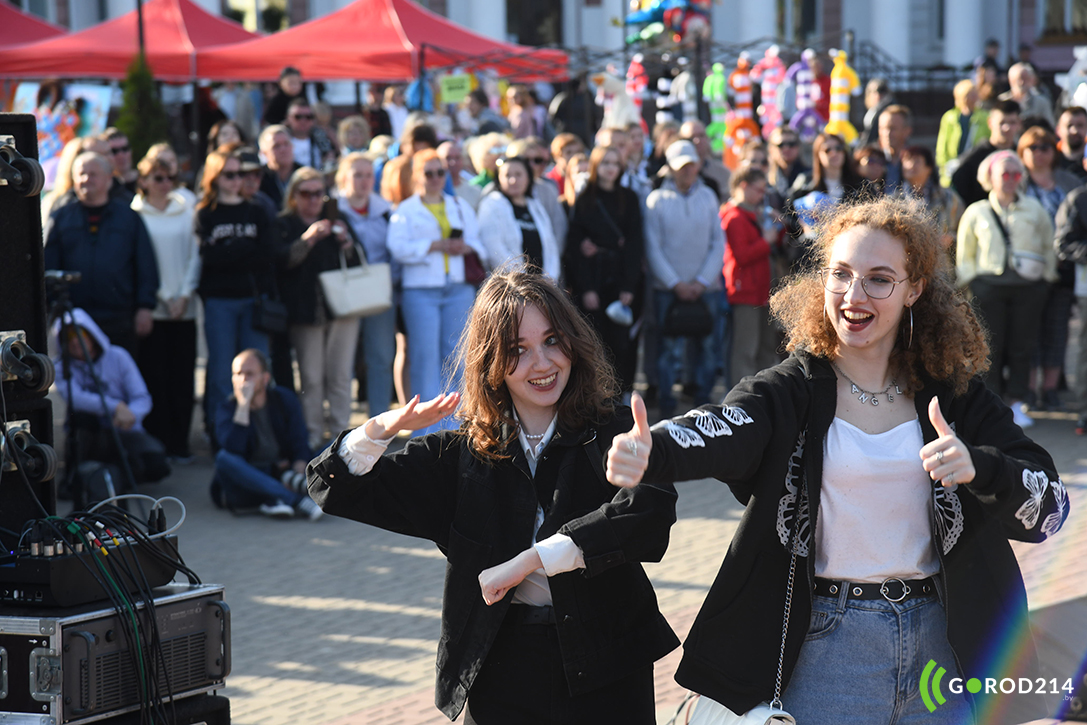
23,310
206,709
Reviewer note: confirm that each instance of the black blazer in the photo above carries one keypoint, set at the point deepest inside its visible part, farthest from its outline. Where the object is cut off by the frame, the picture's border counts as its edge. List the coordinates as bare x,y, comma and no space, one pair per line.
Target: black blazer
481,515
299,287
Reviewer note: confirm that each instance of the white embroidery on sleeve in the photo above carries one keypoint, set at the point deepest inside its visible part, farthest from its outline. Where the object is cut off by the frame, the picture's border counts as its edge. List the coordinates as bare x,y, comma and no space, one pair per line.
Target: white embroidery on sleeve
1036,483
1052,523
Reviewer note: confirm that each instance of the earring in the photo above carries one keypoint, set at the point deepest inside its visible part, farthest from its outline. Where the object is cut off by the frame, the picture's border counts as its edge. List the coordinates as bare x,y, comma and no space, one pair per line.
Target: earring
910,344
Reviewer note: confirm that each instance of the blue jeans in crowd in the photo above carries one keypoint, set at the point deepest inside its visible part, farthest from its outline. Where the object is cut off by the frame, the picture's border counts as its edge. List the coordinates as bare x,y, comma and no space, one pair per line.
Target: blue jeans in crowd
228,328
673,353
243,485
434,318
862,661
378,340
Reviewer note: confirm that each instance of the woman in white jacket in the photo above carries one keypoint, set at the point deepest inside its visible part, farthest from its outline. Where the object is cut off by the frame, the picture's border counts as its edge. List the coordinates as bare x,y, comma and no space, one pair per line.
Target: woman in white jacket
167,357
429,234
512,223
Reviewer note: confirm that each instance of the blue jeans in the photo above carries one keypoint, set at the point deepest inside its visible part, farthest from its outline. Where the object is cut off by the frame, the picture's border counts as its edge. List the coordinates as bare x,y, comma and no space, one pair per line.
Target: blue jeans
862,660
435,318
246,486
378,350
228,329
673,352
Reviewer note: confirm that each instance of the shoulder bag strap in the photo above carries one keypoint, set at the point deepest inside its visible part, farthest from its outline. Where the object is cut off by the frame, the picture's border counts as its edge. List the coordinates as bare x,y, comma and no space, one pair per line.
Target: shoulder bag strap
609,219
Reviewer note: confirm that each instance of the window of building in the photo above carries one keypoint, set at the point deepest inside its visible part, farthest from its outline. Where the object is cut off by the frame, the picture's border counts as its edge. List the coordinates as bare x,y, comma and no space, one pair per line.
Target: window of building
1063,17
798,20
534,23
41,8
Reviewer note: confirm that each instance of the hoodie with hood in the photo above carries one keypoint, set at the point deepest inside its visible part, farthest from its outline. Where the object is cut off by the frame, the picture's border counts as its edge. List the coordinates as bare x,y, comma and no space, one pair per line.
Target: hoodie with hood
177,251
115,368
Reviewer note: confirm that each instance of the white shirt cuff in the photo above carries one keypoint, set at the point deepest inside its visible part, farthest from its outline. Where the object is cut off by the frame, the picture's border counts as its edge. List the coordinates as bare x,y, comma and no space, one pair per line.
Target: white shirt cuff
360,452
559,554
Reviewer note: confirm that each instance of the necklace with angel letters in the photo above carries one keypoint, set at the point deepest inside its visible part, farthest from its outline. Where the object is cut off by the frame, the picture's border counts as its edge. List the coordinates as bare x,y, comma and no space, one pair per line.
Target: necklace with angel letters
866,396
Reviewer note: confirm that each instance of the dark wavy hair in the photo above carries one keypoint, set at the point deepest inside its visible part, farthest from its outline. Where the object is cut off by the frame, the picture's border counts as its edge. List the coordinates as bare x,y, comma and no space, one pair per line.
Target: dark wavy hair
949,343
487,353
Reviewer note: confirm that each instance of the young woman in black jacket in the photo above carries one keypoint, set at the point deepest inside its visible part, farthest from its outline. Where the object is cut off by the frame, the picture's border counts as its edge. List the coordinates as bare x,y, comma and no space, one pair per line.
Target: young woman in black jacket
547,616
882,481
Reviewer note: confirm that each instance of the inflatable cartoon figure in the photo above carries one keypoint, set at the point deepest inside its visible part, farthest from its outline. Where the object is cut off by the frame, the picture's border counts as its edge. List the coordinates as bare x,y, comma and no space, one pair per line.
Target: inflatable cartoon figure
807,122
682,18
741,122
770,72
715,93
611,93
638,86
843,84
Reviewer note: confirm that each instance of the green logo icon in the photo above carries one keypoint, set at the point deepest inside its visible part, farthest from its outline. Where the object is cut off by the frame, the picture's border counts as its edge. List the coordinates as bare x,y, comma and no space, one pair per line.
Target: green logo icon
930,685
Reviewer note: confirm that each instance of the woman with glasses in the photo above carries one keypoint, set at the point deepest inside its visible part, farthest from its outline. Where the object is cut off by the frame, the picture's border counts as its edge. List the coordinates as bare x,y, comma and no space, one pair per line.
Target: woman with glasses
604,259
882,480
237,248
512,223
430,234
313,239
1049,184
1005,255
167,357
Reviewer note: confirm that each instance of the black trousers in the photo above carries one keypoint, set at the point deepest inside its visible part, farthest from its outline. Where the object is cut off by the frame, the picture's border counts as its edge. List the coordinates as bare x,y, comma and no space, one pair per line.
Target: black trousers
94,442
523,681
167,361
1013,315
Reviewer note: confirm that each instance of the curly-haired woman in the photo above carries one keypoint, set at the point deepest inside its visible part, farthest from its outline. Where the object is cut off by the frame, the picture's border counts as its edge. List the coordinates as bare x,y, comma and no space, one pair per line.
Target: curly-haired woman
882,479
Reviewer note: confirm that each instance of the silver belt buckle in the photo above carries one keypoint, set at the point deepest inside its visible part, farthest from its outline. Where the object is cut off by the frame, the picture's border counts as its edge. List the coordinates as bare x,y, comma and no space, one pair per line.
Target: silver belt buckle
905,589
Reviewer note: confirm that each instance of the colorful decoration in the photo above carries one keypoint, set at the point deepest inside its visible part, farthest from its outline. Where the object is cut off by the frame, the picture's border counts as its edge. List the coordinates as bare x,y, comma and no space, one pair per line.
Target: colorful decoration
683,19
638,87
807,122
611,93
843,84
770,72
741,121
715,93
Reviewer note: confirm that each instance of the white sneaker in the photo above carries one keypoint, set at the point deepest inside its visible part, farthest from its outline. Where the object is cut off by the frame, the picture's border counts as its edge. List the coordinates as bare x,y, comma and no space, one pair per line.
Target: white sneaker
309,508
1020,416
277,510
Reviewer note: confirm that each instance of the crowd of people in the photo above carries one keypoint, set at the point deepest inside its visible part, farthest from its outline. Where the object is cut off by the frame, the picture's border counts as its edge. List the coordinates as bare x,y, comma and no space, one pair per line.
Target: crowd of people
671,256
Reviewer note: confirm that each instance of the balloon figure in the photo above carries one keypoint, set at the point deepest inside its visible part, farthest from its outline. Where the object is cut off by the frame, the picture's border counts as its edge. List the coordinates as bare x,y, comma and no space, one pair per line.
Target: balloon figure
611,93
741,122
681,18
638,86
807,122
715,93
770,71
843,84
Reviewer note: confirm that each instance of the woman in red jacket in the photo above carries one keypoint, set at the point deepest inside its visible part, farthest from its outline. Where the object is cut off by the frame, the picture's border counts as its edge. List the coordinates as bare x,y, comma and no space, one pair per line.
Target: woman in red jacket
747,275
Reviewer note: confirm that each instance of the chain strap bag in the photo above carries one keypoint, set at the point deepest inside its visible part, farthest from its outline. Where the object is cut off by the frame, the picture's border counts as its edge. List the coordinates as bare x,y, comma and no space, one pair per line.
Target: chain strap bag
360,291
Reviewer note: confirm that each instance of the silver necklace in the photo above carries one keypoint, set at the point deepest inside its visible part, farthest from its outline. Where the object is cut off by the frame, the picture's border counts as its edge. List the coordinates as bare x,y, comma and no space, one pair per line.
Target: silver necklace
866,396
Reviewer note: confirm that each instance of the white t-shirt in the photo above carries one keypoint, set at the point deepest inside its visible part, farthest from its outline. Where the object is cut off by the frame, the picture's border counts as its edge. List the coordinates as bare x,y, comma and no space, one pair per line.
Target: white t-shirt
303,151
875,506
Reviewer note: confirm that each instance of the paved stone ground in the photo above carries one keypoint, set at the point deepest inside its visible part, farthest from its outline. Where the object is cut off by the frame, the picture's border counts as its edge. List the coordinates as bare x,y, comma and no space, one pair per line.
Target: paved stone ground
336,623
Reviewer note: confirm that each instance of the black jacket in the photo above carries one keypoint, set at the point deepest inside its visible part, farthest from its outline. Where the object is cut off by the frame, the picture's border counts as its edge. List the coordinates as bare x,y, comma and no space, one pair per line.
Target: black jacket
481,515
766,442
965,179
299,286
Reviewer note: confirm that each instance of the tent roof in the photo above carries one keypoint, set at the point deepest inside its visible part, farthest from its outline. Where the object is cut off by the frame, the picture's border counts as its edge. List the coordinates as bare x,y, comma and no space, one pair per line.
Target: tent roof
377,40
18,28
173,30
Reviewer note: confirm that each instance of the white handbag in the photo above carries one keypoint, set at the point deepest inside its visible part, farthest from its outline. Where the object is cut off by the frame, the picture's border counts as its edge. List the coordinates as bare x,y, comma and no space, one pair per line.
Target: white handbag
358,291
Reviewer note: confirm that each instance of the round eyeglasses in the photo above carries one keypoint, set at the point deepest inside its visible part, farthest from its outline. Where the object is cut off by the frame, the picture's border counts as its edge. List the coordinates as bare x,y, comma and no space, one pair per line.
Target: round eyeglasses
876,286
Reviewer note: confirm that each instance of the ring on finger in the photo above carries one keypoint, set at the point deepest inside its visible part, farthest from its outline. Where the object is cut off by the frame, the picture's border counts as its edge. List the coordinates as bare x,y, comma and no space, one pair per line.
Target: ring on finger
950,478
939,456
632,446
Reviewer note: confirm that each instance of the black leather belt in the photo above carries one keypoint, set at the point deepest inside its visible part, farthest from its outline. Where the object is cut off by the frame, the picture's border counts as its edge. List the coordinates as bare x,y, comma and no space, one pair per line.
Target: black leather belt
893,590
523,614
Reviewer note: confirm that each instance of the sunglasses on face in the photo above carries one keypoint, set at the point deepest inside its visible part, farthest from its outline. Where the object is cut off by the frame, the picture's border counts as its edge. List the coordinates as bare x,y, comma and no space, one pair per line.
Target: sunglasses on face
302,117
537,160
120,150
787,144
230,175
1012,175
159,178
833,149
434,173
310,194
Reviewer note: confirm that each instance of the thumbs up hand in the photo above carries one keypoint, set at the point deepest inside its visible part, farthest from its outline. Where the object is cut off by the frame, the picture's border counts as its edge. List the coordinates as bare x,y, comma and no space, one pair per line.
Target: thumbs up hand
947,458
628,456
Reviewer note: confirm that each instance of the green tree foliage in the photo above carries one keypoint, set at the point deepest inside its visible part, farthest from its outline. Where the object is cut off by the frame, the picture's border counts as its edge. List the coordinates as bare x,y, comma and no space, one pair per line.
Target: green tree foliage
142,118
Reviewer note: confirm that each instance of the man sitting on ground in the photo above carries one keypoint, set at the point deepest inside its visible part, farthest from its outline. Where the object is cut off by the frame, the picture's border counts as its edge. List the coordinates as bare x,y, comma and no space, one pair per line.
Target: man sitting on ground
264,450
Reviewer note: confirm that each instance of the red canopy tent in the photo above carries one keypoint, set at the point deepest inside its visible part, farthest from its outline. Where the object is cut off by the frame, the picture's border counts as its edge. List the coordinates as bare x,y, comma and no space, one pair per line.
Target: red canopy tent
377,40
19,28
174,30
